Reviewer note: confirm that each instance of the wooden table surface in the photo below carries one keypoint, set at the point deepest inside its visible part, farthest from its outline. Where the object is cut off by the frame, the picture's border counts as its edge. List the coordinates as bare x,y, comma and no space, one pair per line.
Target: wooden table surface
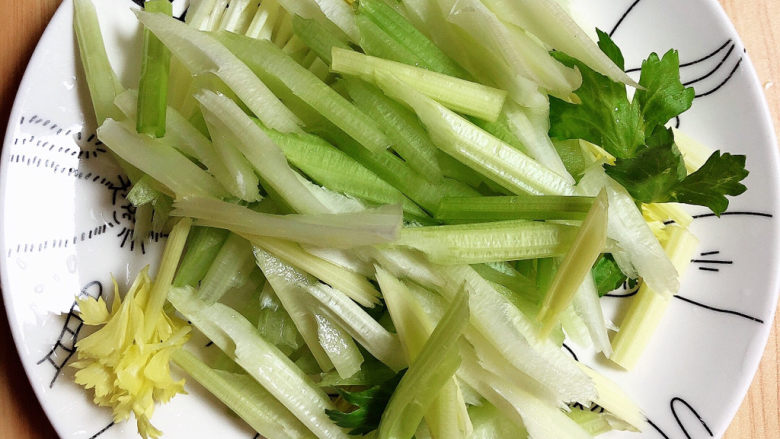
22,23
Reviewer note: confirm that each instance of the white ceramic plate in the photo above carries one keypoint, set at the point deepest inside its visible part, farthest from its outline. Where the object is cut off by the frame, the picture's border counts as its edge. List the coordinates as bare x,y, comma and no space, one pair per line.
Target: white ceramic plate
64,227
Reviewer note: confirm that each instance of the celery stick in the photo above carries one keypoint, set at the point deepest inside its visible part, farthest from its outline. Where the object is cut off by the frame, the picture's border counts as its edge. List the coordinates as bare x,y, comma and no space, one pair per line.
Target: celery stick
593,422
264,362
489,242
664,212
143,191
143,223
350,283
201,53
160,161
267,60
267,159
283,30
233,261
512,280
327,230
341,14
490,424
296,50
404,264
477,149
202,247
153,87
317,37
242,394
584,251
575,158
615,400
435,365
587,306
216,13
275,324
341,349
501,130
398,28
162,205
530,207
403,129
648,307
457,94
342,258
174,247
320,69
694,153
238,16
375,42
574,328
262,24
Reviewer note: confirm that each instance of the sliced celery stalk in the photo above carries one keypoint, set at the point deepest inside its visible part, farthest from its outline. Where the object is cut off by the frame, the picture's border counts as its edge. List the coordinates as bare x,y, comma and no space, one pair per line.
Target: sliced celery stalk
408,136
664,212
267,159
456,94
575,328
341,349
593,422
694,153
375,42
529,207
317,37
476,148
341,14
238,16
587,306
242,394
153,87
489,423
357,287
574,156
435,365
268,61
343,258
144,191
263,22
648,307
202,247
160,161
348,230
201,53
615,400
584,251
263,361
509,278
275,324
489,242
283,31
398,28
233,261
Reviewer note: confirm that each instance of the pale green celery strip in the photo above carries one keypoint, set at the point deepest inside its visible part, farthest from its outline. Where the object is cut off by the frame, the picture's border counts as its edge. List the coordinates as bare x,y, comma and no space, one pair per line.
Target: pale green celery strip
575,328
343,258
341,349
375,42
198,14
143,223
489,242
201,53
153,86
320,69
434,367
262,24
404,264
275,324
694,153
501,130
594,423
457,94
283,31
245,397
174,247
476,148
648,307
456,170
340,13
664,212
588,308
244,183
215,15
615,400
268,160
296,49
397,27
373,226
350,283
263,361
233,259
489,423
202,247
238,16
577,263
161,162
513,280
162,205
574,157
317,37
266,60
530,207
143,192
407,135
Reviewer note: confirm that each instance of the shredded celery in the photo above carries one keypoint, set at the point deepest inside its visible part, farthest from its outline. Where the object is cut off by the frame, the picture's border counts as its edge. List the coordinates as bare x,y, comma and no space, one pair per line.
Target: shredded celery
528,207
153,87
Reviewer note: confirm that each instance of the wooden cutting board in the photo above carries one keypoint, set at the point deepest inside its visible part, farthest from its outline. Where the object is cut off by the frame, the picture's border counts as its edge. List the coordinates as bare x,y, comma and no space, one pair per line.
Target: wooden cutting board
23,22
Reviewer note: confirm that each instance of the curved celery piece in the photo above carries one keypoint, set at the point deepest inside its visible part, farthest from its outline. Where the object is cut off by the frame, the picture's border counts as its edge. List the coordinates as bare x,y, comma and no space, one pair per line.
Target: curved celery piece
233,260
615,400
435,365
375,42
476,148
317,37
576,265
201,53
341,14
489,423
341,349
263,22
238,16
153,85
275,324
160,161
454,93
346,230
263,361
202,247
489,242
587,307
245,397
528,207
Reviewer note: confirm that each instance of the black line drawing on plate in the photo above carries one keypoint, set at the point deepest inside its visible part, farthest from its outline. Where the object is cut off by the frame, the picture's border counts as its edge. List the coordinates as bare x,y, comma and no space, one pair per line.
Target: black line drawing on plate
673,407
103,430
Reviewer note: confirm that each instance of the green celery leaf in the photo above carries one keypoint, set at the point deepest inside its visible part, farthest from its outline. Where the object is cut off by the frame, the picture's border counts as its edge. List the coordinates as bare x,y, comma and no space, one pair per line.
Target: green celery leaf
664,96
719,176
369,404
660,136
651,176
607,274
611,49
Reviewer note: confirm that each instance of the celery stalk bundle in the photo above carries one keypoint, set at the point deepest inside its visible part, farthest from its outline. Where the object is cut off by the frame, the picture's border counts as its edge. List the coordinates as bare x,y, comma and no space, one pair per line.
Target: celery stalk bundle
388,216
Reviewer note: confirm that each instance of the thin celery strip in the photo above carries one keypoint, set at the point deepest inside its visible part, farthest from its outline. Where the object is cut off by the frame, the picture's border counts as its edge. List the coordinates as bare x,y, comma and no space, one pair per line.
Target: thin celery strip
593,422
283,31
199,12
233,261
489,242
509,278
161,162
489,423
202,247
648,307
576,265
153,86
238,16
262,24
201,53
454,93
327,230
435,365
664,212
407,135
245,397
216,13
267,60
275,324
267,159
343,258
296,50
400,29
574,156
263,361
501,130
144,191
529,207
357,287
476,148
615,400
341,349
317,37
341,14
587,307
162,206
320,69
375,42
574,328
